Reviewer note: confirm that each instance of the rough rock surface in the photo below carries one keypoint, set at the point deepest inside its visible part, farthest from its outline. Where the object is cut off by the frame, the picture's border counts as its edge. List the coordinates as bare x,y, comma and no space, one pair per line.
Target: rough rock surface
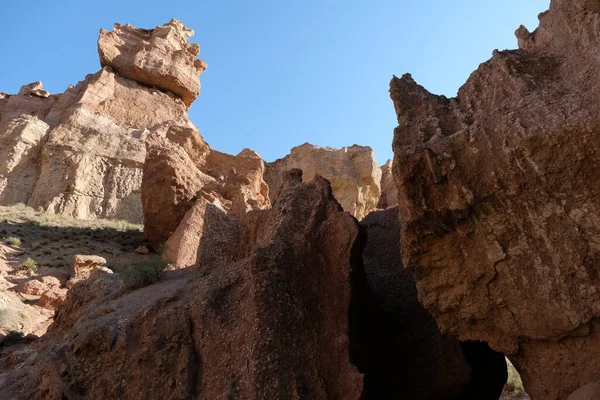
353,172
500,200
81,153
53,298
588,392
83,266
160,57
389,192
182,174
267,319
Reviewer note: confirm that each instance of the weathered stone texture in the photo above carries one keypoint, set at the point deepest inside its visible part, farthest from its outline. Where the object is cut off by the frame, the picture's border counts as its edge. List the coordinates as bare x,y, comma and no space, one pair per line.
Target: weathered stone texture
499,200
353,172
264,320
159,57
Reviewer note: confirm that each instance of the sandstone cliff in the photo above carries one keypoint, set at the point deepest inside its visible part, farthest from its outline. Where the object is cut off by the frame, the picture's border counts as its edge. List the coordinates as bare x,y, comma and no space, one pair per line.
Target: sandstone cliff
352,171
81,153
500,200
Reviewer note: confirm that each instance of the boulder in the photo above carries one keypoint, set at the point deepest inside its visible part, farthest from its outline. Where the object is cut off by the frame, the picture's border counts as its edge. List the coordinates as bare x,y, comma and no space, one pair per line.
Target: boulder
83,266
266,318
32,287
53,298
500,201
389,192
159,57
352,171
34,89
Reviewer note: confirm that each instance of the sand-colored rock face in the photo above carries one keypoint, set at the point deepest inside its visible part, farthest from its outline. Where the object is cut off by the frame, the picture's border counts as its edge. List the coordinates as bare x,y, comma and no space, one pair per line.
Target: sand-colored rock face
182,175
389,192
159,57
266,319
21,142
91,165
83,155
353,172
500,201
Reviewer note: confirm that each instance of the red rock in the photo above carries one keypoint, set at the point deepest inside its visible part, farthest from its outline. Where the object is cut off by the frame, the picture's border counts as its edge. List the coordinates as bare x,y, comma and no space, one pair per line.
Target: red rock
53,298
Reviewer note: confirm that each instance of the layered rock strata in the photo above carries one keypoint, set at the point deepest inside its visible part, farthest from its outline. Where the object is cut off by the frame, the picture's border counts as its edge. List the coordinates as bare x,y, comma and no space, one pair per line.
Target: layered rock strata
81,153
352,171
500,202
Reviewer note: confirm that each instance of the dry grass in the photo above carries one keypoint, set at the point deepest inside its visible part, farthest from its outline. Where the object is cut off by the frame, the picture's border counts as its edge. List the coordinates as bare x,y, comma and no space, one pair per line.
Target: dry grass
22,213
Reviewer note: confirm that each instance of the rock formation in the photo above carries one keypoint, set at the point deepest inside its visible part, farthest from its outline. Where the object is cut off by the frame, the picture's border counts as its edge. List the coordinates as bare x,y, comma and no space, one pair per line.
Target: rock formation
389,192
160,57
267,319
182,175
500,201
81,153
352,171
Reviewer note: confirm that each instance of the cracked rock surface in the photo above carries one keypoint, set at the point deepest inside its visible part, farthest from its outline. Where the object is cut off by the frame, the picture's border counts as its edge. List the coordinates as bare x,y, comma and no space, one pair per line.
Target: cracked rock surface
500,200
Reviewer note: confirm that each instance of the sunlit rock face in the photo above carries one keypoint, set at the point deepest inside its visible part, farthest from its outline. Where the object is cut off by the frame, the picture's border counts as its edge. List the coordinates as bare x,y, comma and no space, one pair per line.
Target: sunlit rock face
81,153
499,200
353,172
160,57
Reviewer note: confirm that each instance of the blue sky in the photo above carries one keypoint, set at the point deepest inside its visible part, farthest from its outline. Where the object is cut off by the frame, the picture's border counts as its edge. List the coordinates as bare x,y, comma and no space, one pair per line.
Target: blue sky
280,73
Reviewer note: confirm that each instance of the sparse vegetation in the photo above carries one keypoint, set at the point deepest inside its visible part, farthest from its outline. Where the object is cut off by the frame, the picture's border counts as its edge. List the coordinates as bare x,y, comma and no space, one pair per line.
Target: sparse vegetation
24,214
13,241
143,273
30,266
36,245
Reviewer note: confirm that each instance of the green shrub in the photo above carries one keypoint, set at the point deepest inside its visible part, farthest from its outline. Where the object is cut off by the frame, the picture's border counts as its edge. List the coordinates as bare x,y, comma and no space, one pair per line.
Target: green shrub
36,245
30,266
13,241
142,273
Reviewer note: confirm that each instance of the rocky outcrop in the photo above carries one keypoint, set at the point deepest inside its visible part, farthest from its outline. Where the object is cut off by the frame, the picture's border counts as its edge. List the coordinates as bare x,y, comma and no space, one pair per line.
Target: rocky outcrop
159,57
499,201
352,171
182,175
389,192
81,153
265,319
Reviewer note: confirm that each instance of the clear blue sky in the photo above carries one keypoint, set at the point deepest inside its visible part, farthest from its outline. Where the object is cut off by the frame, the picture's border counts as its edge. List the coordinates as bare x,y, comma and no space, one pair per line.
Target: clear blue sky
280,73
